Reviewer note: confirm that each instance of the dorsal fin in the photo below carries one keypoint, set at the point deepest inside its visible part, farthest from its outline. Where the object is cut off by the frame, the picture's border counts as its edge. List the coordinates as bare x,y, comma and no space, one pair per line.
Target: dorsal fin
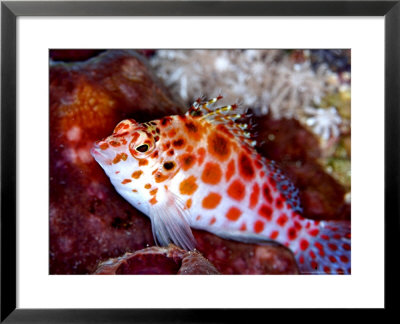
236,122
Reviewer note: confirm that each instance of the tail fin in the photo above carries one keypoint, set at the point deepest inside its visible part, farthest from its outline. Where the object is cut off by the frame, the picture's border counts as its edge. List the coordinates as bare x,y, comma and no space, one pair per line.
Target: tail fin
329,252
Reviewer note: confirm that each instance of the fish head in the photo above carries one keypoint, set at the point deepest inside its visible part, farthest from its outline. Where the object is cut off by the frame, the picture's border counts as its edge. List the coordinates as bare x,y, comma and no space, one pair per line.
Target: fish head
128,156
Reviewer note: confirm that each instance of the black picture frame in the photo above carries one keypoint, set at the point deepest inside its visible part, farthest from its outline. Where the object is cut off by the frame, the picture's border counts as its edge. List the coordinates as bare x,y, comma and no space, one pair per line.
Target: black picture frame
10,10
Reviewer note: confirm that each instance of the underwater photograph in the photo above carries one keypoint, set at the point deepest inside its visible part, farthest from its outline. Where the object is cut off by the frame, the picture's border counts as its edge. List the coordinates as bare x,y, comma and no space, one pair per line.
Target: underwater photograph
200,161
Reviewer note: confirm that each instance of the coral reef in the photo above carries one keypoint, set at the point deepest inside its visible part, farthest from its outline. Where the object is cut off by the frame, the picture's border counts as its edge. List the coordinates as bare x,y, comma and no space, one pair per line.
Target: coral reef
158,260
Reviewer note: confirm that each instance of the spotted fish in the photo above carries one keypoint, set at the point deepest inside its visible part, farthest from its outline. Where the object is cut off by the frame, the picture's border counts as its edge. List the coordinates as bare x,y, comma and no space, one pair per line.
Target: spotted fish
200,170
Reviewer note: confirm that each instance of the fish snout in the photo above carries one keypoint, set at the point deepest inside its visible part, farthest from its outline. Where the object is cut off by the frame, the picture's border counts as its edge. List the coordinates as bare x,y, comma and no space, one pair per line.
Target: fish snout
100,153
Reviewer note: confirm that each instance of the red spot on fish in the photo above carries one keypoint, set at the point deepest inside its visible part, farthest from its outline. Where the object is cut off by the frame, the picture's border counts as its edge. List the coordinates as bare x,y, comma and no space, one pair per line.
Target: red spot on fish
267,193
246,167
332,259
279,203
172,133
325,237
213,220
254,196
314,232
243,227
219,146
233,214
114,143
236,190
258,226
258,163
282,219
346,246
212,173
332,246
327,269
312,254
304,244
212,200
179,143
202,153
301,259
274,235
230,170
225,130
165,121
265,211
314,265
344,258
292,234
171,152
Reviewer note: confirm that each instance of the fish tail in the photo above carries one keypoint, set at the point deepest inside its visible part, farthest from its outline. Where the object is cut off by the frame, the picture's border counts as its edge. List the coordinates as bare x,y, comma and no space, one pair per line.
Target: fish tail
327,250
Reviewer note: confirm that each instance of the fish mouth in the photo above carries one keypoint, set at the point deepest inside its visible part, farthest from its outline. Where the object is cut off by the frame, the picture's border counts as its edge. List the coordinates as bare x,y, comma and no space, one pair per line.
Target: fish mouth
99,155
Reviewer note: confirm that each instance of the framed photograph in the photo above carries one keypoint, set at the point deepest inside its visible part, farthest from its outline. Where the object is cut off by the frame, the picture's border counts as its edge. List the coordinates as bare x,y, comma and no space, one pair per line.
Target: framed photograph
188,147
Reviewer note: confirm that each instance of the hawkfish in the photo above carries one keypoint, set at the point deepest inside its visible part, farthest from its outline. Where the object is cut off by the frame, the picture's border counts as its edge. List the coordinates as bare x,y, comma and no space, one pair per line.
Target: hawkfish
201,170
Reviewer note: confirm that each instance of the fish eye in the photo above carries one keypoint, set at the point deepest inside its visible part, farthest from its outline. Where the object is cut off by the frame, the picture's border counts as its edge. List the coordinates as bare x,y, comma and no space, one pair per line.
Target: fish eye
141,145
142,148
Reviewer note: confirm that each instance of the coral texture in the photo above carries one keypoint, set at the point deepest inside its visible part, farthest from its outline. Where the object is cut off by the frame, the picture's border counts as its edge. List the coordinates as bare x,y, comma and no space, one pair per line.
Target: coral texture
158,260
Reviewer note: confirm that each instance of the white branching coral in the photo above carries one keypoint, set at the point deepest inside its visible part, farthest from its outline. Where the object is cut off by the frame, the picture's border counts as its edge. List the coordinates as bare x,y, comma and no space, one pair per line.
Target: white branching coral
325,122
264,80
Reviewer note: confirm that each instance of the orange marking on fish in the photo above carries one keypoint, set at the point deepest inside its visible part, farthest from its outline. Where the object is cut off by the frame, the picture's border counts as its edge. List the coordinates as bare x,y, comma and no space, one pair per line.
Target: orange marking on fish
143,162
202,153
233,214
153,201
159,177
230,170
212,173
125,181
172,133
137,174
213,220
246,167
243,227
188,186
187,160
236,190
189,203
114,143
147,185
153,192
104,146
254,195
179,143
117,158
212,200
219,146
